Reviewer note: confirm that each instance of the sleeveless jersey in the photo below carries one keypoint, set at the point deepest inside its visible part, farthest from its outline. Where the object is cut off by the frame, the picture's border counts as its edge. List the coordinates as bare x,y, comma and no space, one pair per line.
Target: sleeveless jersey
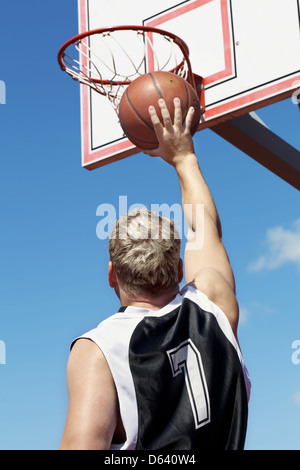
179,374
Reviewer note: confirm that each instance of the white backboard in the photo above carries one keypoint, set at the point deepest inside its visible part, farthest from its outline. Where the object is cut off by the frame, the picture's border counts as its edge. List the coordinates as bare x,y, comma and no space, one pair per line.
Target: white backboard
247,51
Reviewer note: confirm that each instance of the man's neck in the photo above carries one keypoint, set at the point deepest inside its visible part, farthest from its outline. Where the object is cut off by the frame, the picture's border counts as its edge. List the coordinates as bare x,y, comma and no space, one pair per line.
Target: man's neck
150,303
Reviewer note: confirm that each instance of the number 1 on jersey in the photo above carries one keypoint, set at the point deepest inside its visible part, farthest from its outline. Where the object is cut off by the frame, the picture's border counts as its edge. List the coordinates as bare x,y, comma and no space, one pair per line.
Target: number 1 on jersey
186,359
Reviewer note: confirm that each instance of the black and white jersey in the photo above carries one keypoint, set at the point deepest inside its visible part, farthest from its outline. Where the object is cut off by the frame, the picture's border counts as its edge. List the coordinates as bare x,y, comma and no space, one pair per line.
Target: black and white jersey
179,373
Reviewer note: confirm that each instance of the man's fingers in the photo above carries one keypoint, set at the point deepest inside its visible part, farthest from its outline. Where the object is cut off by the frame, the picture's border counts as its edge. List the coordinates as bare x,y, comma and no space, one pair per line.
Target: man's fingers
177,114
157,125
166,124
189,118
165,115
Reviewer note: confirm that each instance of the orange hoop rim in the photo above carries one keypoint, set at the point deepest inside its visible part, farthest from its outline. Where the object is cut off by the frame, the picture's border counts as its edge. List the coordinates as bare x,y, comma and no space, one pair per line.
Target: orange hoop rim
147,29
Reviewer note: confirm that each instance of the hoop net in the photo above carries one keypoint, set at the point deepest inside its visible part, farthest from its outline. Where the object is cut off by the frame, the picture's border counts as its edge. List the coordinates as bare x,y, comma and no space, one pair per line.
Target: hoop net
109,60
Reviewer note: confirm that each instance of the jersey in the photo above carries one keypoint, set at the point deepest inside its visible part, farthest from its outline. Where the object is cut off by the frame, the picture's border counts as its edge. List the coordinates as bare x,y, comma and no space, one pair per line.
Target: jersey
179,374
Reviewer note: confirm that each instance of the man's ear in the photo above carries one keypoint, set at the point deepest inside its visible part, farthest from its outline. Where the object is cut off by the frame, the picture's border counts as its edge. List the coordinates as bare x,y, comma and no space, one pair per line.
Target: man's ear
180,270
112,277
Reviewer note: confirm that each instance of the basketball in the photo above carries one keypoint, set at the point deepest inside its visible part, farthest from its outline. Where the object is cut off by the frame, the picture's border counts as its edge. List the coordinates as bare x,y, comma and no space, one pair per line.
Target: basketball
145,91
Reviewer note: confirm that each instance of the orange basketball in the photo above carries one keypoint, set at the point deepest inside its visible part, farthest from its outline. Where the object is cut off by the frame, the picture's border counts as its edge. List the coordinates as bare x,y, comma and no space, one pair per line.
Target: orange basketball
145,91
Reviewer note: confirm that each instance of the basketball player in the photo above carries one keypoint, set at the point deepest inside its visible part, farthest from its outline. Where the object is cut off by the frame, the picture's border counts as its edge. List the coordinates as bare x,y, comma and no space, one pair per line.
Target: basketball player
165,372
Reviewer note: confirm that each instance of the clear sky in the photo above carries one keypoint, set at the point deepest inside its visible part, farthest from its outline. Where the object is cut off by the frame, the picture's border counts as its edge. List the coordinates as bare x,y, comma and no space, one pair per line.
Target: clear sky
53,267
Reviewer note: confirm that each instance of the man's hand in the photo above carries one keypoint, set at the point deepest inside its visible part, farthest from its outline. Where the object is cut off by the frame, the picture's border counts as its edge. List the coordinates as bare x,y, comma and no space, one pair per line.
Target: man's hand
175,140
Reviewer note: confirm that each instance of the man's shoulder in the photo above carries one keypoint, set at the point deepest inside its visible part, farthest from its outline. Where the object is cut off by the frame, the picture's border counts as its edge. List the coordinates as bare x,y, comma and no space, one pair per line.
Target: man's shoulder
217,290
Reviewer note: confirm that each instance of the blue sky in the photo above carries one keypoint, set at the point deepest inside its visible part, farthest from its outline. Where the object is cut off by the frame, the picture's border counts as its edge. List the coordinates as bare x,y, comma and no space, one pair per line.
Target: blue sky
54,267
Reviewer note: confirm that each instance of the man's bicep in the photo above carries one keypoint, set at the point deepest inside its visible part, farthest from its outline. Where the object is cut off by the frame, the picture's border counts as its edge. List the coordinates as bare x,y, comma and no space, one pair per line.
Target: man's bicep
93,406
209,270
206,251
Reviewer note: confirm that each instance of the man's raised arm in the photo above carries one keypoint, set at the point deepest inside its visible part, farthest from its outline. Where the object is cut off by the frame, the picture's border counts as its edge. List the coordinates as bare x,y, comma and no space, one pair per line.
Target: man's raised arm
206,262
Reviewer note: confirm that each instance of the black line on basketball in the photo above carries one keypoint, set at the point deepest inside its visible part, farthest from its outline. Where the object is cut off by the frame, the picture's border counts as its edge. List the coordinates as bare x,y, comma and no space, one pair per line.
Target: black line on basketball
156,85
152,142
138,115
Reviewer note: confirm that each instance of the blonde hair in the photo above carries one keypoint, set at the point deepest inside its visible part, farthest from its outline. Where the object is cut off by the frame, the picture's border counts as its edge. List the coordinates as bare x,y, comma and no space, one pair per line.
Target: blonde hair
144,248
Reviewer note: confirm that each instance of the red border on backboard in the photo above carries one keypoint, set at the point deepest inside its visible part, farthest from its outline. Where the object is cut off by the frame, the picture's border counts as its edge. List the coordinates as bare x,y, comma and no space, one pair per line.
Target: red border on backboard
227,43
251,98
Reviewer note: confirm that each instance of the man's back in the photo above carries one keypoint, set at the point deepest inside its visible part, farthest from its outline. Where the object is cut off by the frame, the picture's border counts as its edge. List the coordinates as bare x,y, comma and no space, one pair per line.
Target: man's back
179,374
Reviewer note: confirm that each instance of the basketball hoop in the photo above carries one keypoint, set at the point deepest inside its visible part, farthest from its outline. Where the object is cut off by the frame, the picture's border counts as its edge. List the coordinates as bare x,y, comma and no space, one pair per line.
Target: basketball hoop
109,59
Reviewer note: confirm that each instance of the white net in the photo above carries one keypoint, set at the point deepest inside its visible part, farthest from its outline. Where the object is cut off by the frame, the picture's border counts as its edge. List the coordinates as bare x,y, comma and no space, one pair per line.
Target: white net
109,61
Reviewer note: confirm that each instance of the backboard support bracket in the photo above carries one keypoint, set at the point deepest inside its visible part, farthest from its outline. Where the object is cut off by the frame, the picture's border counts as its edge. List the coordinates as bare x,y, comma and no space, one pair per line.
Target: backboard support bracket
256,140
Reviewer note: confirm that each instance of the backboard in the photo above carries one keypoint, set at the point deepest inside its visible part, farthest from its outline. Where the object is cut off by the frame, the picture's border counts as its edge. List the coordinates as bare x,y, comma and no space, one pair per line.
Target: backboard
247,51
